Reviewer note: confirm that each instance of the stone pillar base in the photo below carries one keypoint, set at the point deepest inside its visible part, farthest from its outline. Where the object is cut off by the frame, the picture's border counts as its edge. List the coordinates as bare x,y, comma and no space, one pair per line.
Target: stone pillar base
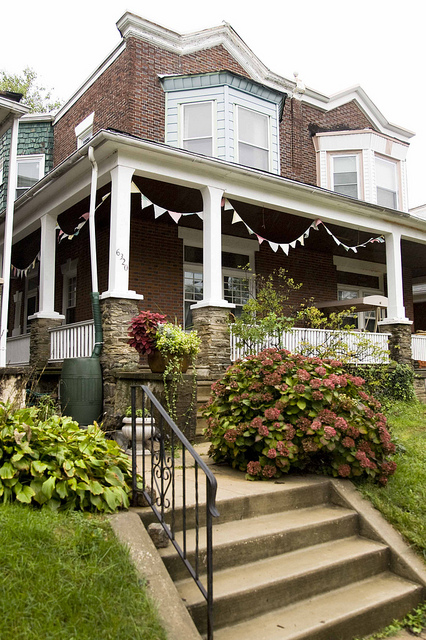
116,351
399,341
40,341
214,357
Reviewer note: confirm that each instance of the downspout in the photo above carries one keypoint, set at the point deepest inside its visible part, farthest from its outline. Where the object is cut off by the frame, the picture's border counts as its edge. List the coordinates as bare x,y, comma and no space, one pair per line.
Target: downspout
97,318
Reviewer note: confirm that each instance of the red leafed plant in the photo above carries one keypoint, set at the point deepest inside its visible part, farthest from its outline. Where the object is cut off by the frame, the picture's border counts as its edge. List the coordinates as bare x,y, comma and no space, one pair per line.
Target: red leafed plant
143,330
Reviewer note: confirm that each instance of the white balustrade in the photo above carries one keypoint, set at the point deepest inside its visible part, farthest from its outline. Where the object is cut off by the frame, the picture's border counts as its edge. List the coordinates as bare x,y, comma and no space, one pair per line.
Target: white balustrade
371,348
418,347
18,350
72,340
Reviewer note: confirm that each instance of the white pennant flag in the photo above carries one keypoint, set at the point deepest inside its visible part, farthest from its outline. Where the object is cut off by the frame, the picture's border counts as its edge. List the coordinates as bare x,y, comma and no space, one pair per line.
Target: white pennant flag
293,244
285,248
134,188
158,211
274,246
236,218
227,205
301,240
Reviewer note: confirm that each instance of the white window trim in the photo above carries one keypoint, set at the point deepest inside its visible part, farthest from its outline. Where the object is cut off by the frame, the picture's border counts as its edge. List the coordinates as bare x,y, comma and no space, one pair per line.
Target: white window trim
84,130
237,107
398,183
357,155
181,109
362,292
36,157
30,293
68,270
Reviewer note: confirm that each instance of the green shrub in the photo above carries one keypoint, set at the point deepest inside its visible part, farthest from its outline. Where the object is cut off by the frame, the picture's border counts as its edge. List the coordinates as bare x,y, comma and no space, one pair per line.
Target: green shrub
277,411
57,464
389,382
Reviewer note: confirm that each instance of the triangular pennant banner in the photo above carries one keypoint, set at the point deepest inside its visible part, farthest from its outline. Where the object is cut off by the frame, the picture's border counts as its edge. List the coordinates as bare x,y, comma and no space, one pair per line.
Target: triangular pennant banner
134,188
274,246
236,218
260,239
158,211
285,248
228,206
175,216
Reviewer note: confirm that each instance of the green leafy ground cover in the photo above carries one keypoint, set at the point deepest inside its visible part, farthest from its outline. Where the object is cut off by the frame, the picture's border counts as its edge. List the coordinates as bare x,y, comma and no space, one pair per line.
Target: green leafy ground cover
64,576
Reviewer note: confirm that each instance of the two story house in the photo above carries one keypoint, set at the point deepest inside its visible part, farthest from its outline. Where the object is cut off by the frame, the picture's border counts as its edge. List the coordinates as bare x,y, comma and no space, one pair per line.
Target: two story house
199,160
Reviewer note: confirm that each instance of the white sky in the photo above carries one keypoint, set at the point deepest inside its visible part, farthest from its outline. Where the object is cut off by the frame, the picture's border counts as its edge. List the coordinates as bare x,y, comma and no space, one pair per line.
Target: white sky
333,45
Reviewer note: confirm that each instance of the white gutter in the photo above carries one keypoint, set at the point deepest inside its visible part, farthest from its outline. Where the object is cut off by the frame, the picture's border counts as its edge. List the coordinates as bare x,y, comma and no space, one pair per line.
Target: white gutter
92,230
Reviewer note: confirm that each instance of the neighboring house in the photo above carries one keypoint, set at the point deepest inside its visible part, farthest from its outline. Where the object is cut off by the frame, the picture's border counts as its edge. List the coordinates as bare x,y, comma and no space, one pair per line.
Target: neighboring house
206,161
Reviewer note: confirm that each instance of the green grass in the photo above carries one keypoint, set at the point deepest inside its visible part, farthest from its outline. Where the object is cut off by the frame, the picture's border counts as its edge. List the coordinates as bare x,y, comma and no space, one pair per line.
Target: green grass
403,500
66,577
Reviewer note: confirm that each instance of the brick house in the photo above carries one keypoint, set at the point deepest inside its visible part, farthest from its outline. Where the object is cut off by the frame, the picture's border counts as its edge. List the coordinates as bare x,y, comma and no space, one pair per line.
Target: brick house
203,157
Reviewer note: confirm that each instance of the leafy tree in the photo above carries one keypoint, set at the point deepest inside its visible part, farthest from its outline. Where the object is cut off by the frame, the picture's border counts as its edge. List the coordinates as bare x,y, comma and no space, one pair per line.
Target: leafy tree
38,98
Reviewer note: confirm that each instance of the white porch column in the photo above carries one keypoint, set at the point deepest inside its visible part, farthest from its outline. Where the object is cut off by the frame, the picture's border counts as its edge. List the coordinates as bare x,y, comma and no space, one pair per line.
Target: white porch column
212,250
47,270
119,243
396,309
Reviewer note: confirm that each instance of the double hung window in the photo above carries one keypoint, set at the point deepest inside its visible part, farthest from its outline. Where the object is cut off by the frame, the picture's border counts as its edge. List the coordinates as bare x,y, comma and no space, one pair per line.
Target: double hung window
345,175
197,127
253,139
386,183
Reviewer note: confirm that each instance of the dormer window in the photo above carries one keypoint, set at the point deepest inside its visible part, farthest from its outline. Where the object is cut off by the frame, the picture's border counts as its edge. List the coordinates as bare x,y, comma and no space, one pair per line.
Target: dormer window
253,139
345,175
197,134
225,116
386,183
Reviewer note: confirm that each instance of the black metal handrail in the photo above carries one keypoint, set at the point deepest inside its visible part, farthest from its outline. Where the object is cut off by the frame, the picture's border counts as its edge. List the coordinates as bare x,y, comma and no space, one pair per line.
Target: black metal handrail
161,470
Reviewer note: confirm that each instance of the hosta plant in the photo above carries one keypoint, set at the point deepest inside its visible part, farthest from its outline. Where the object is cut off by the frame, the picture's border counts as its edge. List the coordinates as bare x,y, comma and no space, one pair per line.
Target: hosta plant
277,411
56,464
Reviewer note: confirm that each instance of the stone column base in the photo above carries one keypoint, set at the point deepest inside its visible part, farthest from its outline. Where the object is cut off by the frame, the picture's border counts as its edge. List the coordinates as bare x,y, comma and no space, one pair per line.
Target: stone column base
116,352
40,340
399,342
214,357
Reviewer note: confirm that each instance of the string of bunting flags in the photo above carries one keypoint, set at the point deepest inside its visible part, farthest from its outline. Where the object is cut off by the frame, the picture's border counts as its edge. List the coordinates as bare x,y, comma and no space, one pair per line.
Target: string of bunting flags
69,236
285,246
23,272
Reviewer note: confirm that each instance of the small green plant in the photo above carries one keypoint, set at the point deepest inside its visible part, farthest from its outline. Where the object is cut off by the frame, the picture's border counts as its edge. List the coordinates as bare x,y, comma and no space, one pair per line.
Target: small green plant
54,463
139,413
390,382
277,411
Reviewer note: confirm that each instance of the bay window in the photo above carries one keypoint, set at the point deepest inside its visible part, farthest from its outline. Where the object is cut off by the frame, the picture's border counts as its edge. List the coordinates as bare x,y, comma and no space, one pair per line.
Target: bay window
345,175
386,183
253,139
197,127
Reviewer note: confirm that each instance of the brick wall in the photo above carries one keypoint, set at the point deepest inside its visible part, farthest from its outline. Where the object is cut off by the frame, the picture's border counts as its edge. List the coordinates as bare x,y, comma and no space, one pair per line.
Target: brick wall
304,266
129,97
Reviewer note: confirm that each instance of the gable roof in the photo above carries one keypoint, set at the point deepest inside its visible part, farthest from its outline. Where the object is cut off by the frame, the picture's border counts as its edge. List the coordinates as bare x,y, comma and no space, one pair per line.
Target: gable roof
133,26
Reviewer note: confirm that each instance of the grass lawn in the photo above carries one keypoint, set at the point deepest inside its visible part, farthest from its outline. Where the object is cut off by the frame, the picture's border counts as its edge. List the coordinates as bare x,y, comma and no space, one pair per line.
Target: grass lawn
403,500
65,577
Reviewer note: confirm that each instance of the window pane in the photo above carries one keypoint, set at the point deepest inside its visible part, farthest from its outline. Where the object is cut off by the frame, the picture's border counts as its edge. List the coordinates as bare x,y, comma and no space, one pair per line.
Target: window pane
197,122
386,198
345,294
347,189
253,128
235,290
28,174
253,157
345,164
345,175
200,145
385,174
193,286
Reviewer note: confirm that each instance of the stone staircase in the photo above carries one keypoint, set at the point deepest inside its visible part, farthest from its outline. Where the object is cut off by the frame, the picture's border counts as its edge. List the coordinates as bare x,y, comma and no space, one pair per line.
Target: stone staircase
295,563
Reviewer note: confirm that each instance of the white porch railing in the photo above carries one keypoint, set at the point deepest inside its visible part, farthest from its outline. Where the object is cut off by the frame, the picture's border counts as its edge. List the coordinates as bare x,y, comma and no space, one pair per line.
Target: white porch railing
18,350
418,347
297,339
72,340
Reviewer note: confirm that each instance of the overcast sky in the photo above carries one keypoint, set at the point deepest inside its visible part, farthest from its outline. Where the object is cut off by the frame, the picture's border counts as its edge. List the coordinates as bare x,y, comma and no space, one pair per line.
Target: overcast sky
333,45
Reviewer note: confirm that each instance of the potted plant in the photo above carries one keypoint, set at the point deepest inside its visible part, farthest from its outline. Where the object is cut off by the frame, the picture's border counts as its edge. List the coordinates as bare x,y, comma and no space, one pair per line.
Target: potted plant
143,331
145,428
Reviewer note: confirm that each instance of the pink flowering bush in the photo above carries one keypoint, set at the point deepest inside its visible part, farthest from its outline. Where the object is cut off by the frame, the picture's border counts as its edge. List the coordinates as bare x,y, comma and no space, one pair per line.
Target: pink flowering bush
278,411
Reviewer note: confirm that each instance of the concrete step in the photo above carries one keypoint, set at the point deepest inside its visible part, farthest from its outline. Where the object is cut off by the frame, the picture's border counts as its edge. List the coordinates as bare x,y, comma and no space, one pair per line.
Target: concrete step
341,614
251,539
254,588
292,494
